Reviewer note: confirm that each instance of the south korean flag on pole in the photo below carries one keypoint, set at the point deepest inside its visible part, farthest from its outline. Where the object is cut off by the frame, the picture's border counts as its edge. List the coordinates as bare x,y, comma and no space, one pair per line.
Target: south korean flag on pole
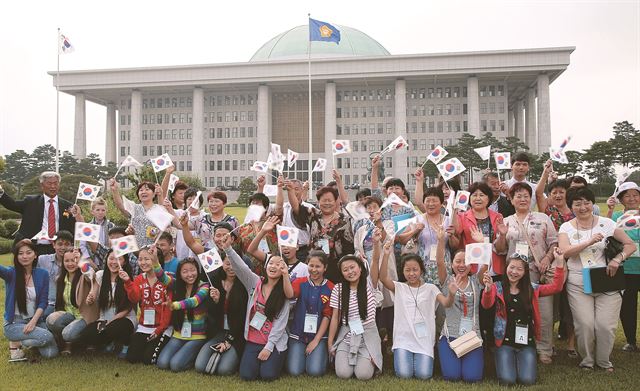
503,160
287,236
437,154
450,168
210,260
124,245
477,254
340,146
259,166
86,232
462,200
320,166
162,162
87,191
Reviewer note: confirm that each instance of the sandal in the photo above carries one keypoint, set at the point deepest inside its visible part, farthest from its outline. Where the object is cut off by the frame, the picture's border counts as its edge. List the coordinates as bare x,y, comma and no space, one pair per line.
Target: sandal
545,359
572,353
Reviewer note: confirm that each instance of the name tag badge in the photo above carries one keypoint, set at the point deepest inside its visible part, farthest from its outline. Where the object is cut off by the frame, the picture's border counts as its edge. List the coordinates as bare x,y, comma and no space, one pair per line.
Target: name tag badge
185,332
356,326
149,317
311,323
522,334
324,245
487,239
522,248
432,253
588,258
421,329
226,322
263,246
258,321
466,325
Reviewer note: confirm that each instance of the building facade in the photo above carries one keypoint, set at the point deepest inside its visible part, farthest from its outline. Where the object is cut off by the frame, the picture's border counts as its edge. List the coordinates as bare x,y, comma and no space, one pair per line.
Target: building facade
215,120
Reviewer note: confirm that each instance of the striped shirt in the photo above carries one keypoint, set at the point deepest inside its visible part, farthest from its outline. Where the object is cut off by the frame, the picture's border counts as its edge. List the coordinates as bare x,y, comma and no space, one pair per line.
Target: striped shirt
354,313
195,302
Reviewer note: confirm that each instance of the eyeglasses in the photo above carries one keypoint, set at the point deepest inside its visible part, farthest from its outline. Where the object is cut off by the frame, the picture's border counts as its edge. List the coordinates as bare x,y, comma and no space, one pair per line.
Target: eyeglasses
519,256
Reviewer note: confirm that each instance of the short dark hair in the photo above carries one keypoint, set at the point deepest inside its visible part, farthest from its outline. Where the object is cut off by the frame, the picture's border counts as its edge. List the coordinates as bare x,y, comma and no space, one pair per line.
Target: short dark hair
366,192
327,189
520,186
64,235
583,193
434,192
219,195
192,192
224,225
260,197
558,183
412,257
179,186
394,182
484,188
166,236
150,185
453,185
578,179
118,230
490,174
521,157
372,200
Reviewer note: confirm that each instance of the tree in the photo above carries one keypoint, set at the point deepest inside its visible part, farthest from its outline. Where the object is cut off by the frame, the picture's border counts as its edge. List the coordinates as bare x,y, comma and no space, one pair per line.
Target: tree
1,164
18,167
625,143
247,188
574,167
599,159
43,158
513,144
192,181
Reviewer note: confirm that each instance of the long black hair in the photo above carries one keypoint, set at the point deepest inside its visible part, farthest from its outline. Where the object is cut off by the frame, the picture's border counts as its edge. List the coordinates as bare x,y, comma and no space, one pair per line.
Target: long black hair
524,285
60,282
236,310
276,299
20,288
180,292
119,298
346,289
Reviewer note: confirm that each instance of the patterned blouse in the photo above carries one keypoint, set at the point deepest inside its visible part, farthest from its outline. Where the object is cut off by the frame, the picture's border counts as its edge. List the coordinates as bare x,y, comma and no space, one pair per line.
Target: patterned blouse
557,218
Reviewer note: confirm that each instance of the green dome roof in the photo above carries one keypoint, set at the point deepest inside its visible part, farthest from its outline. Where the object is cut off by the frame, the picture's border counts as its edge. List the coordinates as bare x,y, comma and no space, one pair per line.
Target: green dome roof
292,44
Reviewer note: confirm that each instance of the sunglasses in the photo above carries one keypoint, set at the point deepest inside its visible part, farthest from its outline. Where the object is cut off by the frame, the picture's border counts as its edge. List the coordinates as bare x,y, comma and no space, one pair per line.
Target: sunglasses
519,256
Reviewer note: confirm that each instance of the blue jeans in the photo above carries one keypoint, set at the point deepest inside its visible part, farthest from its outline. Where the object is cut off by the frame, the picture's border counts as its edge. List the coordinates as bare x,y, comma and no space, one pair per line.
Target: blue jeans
516,364
408,364
468,368
39,337
315,364
228,361
251,368
66,326
179,354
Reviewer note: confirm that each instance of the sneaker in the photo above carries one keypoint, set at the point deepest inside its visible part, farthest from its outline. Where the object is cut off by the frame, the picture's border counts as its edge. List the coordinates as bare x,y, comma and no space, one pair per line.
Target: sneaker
66,351
630,347
16,355
123,353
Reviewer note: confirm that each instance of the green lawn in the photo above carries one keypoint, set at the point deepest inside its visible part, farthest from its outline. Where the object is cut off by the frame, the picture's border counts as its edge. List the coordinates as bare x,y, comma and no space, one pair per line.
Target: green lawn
102,371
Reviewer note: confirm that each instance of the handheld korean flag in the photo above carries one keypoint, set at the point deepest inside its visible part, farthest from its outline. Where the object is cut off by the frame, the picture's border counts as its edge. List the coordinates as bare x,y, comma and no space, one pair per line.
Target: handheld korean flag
398,143
629,223
43,235
260,166
394,199
124,245
162,162
340,146
274,163
287,236
462,200
503,160
484,152
173,179
622,177
403,221
558,155
564,143
357,211
129,161
210,260
320,166
437,154
275,150
254,213
159,217
86,232
292,157
195,204
450,203
450,168
477,253
87,192
270,190
85,267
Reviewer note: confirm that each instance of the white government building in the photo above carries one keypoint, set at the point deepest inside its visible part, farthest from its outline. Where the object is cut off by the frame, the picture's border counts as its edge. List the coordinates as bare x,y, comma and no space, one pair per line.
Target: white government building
214,120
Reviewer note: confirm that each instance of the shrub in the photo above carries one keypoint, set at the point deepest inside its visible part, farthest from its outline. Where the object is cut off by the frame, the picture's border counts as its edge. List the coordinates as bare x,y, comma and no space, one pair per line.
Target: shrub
6,245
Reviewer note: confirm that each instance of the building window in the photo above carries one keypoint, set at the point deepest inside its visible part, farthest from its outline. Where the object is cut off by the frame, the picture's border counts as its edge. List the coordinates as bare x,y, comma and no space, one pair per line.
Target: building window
501,125
483,125
500,90
483,108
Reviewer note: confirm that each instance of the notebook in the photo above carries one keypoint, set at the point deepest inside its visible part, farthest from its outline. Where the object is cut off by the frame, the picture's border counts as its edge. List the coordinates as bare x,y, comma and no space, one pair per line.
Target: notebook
596,280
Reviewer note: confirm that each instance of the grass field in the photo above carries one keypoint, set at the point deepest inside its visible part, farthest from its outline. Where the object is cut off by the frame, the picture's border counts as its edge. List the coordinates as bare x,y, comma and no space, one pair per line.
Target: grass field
101,371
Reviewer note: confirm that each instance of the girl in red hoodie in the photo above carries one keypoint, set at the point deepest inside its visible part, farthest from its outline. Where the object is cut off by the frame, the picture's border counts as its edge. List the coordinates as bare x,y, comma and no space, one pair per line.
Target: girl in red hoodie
148,290
517,320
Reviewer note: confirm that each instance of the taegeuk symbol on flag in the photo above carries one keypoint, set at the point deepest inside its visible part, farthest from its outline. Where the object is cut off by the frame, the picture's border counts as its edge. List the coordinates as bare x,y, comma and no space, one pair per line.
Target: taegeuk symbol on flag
86,232
341,146
462,199
292,157
87,191
437,154
450,168
210,260
287,236
173,179
503,160
320,166
260,166
558,155
162,162
124,245
477,253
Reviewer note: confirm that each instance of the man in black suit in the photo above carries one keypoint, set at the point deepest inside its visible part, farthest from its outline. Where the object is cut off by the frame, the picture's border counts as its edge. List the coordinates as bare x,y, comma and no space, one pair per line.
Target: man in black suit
45,212
500,204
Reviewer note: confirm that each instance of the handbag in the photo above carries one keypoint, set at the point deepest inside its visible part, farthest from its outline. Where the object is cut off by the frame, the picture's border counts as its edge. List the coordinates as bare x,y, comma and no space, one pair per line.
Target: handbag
612,248
467,342
213,362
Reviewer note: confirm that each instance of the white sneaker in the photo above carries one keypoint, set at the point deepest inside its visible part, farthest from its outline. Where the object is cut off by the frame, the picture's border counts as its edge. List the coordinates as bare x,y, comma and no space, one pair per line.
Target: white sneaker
16,355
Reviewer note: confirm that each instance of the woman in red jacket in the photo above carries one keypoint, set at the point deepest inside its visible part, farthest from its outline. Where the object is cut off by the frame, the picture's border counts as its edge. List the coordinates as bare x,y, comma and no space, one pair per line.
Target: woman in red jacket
148,290
517,320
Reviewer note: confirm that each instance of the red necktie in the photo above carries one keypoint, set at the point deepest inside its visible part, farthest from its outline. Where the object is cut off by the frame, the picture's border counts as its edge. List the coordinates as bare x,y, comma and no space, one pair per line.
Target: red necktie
51,219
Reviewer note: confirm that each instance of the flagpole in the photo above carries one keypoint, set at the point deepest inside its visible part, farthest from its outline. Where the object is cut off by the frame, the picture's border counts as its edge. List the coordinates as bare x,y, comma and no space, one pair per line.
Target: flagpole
310,113
58,103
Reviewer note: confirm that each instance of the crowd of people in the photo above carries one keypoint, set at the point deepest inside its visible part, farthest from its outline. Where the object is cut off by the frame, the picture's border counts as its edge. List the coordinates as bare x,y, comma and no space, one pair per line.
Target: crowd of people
359,287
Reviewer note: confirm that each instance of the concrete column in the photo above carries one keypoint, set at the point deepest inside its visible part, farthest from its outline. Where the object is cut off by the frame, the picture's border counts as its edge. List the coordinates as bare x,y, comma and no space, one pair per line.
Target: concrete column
263,132
519,114
197,135
511,126
135,143
473,106
532,132
544,115
329,123
111,151
80,128
400,166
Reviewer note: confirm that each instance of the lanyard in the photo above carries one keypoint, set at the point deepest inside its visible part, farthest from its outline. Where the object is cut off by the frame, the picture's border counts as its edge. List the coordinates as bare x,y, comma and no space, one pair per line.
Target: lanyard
415,300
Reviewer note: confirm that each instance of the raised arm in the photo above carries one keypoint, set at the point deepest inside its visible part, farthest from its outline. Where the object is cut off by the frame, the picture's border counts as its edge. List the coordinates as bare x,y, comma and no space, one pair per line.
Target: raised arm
278,209
196,247
267,227
193,301
384,267
10,203
541,199
244,273
374,271
440,254
117,198
166,179
344,197
375,164
419,198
